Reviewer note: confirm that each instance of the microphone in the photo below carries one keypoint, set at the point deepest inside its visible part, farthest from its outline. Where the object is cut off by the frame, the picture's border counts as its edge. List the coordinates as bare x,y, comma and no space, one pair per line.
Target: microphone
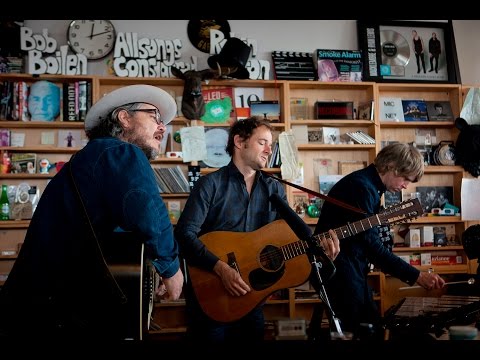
302,230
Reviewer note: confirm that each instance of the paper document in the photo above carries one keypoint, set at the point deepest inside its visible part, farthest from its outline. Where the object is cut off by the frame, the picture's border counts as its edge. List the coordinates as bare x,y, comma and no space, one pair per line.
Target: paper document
470,199
194,147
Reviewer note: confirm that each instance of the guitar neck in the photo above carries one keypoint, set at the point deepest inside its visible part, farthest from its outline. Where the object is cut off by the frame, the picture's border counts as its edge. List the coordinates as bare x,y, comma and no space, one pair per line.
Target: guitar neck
300,247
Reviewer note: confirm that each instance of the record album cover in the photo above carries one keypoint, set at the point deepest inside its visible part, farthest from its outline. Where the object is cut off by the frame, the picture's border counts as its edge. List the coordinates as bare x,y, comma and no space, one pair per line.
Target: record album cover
439,111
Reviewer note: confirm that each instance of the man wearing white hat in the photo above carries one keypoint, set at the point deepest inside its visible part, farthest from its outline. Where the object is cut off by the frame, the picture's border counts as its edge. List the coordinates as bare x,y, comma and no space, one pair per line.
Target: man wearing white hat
61,285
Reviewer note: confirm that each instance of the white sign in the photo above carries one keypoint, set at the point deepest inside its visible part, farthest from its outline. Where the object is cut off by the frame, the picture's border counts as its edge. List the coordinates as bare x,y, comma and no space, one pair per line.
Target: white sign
60,63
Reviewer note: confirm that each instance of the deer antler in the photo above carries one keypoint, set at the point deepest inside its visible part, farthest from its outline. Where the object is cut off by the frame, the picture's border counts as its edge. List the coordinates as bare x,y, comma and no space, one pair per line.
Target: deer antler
225,71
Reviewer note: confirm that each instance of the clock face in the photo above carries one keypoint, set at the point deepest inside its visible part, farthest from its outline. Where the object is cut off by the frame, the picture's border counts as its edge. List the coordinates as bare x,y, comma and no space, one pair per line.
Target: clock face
93,38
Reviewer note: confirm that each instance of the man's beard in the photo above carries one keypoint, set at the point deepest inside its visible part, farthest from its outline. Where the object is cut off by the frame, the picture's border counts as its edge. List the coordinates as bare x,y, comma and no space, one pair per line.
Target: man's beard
149,151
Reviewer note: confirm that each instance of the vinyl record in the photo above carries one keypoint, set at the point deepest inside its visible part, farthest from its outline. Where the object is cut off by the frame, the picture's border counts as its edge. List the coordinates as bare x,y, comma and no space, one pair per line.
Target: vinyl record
199,32
444,154
395,48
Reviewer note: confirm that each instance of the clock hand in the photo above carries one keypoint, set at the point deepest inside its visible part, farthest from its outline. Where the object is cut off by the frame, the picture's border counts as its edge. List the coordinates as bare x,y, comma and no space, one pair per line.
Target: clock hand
91,34
105,32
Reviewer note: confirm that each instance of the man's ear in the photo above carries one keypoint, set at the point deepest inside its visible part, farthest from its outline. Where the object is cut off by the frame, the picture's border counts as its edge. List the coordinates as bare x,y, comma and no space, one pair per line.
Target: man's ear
124,118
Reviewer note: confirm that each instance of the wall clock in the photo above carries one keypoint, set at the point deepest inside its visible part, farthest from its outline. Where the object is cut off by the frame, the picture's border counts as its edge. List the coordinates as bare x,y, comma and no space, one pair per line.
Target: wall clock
93,38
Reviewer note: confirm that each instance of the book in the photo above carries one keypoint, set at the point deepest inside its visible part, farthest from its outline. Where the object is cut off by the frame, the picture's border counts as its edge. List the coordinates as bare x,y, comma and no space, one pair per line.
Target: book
391,109
414,110
82,100
219,106
193,175
69,102
439,111
338,65
4,137
293,65
266,109
174,209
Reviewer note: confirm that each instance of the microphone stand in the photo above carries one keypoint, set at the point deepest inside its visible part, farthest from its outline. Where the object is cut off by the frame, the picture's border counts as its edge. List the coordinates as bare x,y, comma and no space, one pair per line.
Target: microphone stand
333,320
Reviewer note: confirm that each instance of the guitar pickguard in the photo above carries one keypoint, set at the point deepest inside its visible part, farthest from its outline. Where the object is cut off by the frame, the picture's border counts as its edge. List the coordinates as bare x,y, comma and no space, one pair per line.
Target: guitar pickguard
272,268
260,279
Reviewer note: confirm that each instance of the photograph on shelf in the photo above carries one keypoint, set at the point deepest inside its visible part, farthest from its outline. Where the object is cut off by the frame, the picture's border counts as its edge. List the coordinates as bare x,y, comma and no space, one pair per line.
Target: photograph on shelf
24,163
414,110
439,111
391,198
266,109
435,197
315,136
408,51
69,138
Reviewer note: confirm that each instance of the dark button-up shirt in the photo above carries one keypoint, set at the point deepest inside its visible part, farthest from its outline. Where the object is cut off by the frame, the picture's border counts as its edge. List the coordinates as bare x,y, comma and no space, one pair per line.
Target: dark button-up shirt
58,260
220,201
349,288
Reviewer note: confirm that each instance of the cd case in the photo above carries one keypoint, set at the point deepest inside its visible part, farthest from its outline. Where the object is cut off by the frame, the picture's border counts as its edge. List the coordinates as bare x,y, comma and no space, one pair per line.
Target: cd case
266,109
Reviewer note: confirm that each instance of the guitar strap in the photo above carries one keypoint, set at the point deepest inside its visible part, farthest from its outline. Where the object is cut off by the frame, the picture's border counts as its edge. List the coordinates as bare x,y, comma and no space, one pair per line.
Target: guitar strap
322,196
110,278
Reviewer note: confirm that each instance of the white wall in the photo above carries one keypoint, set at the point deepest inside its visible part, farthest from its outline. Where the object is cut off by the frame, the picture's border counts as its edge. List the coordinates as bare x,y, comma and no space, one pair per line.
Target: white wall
293,35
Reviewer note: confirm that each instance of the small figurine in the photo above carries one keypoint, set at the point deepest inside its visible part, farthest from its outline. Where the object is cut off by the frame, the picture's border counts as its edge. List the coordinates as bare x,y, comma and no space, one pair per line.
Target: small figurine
44,166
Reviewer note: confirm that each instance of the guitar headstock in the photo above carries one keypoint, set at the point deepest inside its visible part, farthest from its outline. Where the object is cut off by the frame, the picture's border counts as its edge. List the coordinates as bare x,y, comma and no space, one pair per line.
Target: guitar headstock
401,212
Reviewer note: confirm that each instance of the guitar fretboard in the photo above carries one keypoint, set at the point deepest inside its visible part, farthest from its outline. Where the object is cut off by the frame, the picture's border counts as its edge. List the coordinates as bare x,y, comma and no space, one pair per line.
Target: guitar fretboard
396,214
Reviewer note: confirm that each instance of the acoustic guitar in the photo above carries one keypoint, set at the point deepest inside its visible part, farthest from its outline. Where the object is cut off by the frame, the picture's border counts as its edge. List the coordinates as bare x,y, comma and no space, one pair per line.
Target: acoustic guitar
135,275
271,258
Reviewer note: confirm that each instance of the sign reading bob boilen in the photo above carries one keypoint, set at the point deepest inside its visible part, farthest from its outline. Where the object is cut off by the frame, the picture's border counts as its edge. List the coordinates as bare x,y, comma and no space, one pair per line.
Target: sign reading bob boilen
199,32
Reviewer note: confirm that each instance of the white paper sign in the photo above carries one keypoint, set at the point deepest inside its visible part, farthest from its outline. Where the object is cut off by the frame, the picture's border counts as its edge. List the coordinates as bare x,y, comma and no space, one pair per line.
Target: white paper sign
470,194
194,147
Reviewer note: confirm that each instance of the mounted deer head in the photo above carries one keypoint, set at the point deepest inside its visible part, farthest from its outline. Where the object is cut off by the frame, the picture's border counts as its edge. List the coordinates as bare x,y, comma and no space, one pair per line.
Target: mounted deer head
193,105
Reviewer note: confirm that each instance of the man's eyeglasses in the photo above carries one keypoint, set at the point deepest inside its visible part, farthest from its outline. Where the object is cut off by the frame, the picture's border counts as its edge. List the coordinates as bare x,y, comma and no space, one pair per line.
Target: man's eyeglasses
155,112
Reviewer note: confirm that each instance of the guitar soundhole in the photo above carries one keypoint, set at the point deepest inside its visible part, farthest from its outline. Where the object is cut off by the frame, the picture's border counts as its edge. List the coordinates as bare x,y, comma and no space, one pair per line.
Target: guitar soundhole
271,258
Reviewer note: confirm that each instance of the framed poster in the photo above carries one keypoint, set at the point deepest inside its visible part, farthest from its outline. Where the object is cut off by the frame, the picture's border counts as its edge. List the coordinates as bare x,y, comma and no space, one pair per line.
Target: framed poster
408,51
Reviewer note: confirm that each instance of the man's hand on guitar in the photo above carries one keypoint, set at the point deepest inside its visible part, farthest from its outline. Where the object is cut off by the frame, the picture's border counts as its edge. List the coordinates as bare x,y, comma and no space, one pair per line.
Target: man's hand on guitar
171,288
330,244
231,279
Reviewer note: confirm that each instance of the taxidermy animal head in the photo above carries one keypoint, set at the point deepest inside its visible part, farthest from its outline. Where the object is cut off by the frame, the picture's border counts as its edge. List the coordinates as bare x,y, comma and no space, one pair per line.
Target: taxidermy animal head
193,104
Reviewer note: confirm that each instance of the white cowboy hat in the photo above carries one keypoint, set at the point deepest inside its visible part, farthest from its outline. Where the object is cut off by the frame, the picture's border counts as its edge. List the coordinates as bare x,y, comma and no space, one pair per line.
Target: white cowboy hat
148,94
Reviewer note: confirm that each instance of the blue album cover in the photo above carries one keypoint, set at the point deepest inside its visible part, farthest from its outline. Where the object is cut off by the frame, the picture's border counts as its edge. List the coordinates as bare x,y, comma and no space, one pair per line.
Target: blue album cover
414,110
